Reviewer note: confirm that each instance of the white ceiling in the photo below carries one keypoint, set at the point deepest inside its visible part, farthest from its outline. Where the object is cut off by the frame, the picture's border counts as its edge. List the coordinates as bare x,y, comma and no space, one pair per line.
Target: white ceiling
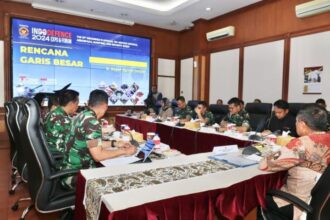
174,15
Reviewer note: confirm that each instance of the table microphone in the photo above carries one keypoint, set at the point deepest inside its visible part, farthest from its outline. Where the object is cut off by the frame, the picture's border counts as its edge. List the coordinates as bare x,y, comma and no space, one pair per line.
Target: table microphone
255,137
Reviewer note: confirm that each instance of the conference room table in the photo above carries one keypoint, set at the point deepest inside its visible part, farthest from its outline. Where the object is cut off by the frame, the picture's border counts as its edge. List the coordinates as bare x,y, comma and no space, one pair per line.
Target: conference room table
187,141
184,187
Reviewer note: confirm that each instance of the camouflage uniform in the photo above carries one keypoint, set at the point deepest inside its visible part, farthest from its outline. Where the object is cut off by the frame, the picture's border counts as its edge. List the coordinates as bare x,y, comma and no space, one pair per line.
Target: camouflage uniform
84,127
185,113
208,115
242,118
56,126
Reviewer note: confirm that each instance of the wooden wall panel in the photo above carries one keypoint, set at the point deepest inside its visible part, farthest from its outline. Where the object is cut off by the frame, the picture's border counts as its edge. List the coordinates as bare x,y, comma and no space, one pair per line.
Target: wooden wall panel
3,129
264,21
1,23
186,45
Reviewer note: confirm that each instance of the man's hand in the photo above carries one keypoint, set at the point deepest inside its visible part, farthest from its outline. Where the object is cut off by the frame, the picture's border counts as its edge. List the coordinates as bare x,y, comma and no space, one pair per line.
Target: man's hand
223,124
198,111
108,129
241,129
266,132
129,150
123,144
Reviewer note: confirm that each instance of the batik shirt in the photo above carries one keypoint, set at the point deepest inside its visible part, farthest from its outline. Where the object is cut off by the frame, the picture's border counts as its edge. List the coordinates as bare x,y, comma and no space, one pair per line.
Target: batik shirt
84,127
305,158
56,127
242,118
185,113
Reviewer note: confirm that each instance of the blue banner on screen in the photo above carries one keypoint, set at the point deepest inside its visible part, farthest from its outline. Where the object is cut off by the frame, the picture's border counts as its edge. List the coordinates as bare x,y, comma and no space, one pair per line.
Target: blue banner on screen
46,57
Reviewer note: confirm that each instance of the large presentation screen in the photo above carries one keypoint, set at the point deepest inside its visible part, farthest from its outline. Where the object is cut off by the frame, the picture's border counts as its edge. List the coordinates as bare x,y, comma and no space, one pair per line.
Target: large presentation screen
46,57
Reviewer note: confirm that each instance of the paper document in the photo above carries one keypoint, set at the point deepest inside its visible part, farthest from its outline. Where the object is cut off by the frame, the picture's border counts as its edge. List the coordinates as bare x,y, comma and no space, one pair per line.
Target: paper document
217,150
236,160
119,161
254,157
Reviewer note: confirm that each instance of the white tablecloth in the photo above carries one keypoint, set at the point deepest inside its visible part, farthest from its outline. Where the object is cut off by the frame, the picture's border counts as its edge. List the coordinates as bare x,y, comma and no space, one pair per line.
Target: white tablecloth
135,197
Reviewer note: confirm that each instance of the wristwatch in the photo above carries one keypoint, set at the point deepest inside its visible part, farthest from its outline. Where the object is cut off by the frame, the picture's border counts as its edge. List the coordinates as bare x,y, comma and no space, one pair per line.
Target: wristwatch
113,143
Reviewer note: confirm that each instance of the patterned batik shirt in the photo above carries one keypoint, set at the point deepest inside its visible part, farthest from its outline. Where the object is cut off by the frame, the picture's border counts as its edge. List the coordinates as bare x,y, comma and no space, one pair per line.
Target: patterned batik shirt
242,118
185,113
84,127
56,126
305,158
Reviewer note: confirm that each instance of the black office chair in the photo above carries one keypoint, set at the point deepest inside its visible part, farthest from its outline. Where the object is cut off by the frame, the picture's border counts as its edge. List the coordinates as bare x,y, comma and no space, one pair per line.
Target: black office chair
193,103
259,113
294,108
44,184
9,120
319,207
218,111
14,125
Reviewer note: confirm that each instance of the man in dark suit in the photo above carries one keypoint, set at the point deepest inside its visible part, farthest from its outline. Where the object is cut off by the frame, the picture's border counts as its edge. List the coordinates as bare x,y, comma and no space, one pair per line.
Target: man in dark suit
281,120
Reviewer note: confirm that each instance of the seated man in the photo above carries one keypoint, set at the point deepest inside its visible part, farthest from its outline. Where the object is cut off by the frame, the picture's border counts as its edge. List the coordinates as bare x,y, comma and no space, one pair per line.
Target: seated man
203,115
157,97
305,158
237,116
281,120
84,145
184,112
57,123
219,102
322,103
242,104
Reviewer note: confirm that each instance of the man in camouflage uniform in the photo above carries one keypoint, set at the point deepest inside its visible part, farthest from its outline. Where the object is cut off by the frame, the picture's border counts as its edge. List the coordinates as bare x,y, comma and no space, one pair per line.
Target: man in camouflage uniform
84,145
184,113
57,123
203,115
237,116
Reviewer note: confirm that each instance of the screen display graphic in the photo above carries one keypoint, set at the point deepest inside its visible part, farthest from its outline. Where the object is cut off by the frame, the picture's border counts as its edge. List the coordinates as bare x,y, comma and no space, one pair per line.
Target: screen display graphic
46,57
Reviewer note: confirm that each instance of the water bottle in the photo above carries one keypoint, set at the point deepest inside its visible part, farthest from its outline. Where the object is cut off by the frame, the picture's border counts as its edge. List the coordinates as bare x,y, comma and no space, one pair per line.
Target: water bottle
156,141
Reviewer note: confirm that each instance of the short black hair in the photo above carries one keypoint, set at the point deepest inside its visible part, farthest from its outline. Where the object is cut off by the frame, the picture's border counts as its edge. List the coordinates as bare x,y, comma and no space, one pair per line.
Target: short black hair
203,103
320,101
315,117
53,100
181,98
97,97
241,101
66,96
236,101
282,104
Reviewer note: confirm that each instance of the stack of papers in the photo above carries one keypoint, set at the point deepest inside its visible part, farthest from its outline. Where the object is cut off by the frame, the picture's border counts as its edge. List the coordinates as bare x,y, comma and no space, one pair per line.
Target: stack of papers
234,159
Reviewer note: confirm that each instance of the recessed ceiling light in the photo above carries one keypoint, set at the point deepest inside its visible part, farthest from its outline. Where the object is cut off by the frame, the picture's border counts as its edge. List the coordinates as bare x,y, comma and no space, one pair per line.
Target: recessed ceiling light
208,9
